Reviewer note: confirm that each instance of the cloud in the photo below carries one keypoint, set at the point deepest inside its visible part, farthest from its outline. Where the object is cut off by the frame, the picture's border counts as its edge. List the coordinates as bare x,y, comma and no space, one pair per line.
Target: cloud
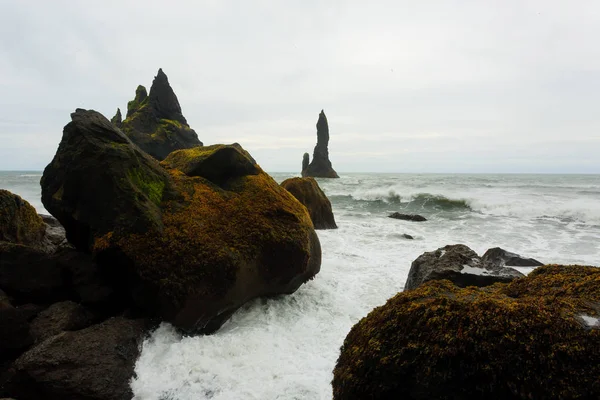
450,86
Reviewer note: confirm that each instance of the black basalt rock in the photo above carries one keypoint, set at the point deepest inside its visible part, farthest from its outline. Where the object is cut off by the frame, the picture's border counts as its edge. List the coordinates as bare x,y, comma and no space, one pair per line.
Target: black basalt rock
320,166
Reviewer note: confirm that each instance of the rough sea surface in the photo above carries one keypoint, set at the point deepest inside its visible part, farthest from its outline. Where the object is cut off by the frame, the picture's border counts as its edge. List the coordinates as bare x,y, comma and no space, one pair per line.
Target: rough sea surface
286,348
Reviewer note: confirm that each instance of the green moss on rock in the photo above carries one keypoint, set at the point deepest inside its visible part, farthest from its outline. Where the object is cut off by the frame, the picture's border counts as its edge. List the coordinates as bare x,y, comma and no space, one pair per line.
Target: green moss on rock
19,222
308,192
523,340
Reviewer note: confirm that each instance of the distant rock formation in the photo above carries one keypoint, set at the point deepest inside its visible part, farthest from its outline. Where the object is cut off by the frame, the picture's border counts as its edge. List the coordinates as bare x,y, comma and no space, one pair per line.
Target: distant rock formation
117,120
305,161
320,166
155,123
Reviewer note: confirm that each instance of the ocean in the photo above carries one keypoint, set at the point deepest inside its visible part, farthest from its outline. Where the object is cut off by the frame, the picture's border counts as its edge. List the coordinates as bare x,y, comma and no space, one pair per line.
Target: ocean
286,348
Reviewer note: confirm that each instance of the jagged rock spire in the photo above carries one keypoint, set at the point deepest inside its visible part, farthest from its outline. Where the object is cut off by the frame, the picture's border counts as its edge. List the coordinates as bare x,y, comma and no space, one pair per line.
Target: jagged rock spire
117,120
320,165
163,99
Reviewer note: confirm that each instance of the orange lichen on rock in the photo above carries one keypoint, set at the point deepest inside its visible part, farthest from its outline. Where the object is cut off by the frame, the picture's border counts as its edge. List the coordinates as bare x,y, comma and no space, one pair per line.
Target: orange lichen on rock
522,340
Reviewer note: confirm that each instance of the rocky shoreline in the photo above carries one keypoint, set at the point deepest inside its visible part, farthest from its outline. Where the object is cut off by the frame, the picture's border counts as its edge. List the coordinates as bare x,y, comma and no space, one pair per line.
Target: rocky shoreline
150,225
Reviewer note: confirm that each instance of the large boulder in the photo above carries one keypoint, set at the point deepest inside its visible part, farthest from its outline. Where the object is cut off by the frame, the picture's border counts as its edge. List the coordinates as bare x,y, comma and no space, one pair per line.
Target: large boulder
501,257
95,363
320,166
19,222
459,264
98,179
189,240
14,329
534,338
155,123
308,192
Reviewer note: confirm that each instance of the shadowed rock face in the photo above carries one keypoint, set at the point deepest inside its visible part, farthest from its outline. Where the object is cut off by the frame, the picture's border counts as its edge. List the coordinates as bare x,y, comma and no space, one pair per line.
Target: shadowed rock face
320,165
155,122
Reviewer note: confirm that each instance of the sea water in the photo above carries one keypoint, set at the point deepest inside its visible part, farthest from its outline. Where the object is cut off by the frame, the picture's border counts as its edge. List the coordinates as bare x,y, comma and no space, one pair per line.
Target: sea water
286,348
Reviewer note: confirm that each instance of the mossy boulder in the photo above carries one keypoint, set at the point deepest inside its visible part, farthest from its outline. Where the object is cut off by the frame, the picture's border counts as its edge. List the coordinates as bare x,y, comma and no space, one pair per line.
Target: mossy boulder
155,122
98,180
189,240
19,222
459,264
308,192
537,337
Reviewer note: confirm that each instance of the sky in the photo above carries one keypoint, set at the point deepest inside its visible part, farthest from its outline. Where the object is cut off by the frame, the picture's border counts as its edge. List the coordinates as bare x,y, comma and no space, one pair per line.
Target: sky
408,86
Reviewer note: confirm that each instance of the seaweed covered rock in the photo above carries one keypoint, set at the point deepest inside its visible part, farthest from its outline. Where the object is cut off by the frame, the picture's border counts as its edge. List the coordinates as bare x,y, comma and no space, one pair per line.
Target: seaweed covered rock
459,264
308,192
320,165
189,240
155,123
92,363
19,222
537,337
501,257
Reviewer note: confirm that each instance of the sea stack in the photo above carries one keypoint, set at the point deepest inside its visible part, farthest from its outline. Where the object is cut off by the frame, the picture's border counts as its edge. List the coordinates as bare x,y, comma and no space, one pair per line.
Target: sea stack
320,167
155,122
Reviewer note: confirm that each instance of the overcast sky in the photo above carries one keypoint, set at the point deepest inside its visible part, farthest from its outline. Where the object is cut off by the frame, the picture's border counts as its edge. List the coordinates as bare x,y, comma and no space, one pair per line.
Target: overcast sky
407,86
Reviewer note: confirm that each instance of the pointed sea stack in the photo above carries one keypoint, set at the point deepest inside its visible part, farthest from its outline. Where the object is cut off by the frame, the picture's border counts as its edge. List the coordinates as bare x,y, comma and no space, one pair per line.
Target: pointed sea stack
320,166
155,122
117,120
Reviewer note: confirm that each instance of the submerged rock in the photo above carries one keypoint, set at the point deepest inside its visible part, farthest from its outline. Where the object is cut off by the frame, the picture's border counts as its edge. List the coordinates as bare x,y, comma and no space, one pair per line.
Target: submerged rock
308,192
320,165
189,240
502,342
407,236
408,217
460,265
501,257
95,363
155,122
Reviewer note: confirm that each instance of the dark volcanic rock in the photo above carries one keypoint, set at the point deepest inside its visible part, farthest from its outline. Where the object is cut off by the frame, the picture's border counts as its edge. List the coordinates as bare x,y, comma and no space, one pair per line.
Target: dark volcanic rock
187,241
407,236
443,342
30,275
308,192
79,186
155,123
320,165
408,217
460,265
501,257
305,161
19,222
95,363
63,316
14,331
117,120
